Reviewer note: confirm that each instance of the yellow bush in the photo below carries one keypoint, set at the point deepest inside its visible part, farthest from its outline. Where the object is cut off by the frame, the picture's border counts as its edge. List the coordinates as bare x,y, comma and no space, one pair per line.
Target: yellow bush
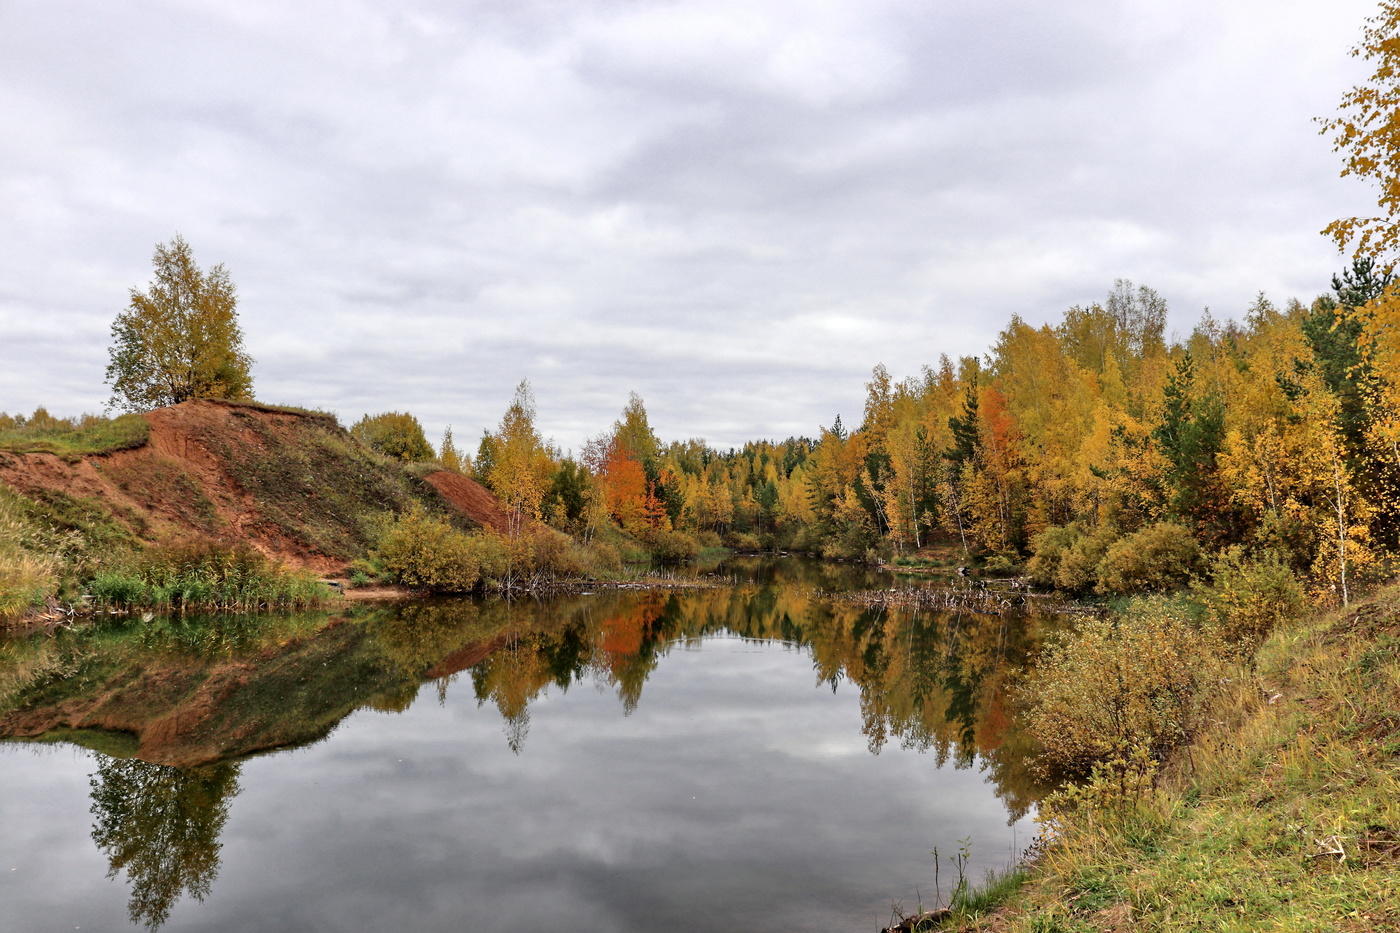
394,434
421,551
1152,560
1249,598
670,546
1112,685
1047,550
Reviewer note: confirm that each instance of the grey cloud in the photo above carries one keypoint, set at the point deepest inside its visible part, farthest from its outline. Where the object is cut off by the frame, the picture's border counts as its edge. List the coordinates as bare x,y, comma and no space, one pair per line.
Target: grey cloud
680,199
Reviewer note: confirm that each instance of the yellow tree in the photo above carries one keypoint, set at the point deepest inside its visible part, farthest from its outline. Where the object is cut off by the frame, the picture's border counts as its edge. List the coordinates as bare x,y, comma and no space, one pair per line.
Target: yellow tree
1367,131
522,462
451,458
1340,515
179,340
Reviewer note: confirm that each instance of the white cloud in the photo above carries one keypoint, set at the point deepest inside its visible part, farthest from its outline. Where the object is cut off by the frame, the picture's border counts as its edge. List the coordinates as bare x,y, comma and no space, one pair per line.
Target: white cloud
734,210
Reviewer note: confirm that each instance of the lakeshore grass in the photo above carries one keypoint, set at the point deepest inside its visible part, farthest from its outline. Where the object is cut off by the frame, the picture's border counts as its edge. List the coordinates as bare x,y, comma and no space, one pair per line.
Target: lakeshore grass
205,577
1284,814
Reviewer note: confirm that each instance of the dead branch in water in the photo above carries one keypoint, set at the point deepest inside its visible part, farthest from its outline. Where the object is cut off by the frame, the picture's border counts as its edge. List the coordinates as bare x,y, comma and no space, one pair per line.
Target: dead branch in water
988,600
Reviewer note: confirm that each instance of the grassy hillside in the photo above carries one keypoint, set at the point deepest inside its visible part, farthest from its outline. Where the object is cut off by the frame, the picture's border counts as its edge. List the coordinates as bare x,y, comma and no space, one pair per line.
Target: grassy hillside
1284,815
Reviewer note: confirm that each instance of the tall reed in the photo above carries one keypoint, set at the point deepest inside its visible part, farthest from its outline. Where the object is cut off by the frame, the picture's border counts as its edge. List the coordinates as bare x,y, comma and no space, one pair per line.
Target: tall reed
206,576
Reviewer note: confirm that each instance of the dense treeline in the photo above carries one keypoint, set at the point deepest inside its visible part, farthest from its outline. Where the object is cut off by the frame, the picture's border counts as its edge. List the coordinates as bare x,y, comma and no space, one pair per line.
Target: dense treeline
1095,450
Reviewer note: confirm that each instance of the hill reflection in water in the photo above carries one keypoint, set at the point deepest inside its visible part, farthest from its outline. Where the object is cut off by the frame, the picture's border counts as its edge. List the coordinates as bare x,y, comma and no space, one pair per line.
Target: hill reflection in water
612,706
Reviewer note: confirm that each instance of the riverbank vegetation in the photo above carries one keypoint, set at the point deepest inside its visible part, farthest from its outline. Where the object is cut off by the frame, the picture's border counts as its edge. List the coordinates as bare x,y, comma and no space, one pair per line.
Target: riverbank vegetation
205,578
1281,813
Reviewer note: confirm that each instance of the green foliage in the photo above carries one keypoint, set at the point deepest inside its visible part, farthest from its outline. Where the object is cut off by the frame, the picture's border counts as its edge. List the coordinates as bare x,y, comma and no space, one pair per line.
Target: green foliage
419,550
205,576
394,434
1064,557
1250,597
566,500
1155,559
1079,567
1190,436
181,340
1048,550
1114,685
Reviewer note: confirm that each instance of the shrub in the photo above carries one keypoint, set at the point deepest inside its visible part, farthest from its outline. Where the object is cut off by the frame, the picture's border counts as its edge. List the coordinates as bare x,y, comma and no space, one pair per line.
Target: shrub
1154,559
1079,568
806,540
1047,550
743,541
492,553
421,551
1114,685
1000,564
541,551
602,558
671,546
1249,598
394,434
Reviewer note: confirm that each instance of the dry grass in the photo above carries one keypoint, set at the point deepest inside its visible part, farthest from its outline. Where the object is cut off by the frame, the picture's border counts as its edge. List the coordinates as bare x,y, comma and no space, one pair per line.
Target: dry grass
27,576
1284,815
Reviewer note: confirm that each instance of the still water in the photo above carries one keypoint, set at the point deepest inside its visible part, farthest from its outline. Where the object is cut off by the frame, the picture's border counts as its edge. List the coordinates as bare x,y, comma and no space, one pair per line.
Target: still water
751,756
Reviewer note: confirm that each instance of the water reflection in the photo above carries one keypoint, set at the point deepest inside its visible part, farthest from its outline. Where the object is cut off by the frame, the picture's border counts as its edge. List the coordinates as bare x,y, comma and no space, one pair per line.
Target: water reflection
200,694
160,825
935,682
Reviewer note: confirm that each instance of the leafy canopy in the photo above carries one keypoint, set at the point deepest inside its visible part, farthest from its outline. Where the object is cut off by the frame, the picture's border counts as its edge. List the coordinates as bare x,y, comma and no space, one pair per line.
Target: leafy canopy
394,434
179,340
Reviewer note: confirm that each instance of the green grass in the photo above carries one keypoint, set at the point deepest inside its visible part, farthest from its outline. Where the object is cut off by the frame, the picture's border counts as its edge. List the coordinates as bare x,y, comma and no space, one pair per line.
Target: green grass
205,577
64,439
973,902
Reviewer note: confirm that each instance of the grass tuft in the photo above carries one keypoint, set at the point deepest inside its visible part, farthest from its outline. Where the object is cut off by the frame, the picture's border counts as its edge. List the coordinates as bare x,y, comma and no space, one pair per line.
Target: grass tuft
75,437
205,577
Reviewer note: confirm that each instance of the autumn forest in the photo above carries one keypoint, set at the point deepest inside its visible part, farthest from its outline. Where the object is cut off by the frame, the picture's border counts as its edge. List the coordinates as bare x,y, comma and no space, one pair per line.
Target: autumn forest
1109,458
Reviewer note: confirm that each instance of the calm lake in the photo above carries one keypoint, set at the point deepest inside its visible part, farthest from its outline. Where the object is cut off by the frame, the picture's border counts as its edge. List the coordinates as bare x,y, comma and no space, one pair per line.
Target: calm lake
749,756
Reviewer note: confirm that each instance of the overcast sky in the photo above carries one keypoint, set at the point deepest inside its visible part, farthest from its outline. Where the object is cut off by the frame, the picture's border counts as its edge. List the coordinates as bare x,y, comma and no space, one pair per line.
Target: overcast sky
734,208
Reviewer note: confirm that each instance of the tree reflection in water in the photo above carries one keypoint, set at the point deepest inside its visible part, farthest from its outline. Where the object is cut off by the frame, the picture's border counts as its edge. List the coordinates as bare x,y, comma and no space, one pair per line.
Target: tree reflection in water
939,682
161,826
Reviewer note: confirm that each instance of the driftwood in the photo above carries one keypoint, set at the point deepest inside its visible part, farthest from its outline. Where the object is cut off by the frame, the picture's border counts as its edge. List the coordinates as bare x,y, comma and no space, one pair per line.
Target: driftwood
921,921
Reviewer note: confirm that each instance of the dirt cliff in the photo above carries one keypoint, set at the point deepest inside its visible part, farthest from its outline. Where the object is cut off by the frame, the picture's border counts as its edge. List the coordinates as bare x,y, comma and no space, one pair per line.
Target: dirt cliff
294,485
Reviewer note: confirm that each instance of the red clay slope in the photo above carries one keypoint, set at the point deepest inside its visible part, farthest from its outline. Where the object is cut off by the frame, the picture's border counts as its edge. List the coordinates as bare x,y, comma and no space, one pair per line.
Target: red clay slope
472,499
294,485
